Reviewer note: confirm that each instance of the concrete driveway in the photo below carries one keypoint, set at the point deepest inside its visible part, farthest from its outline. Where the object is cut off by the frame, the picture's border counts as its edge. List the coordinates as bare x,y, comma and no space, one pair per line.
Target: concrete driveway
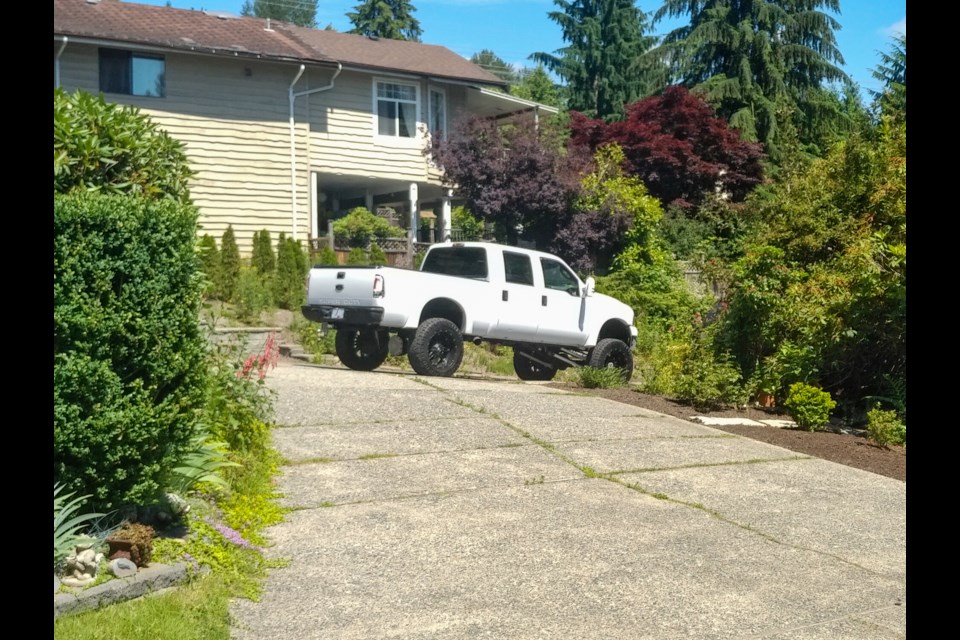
460,508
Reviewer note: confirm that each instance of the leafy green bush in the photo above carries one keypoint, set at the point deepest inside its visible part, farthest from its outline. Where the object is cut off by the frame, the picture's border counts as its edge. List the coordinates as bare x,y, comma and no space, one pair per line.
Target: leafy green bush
229,265
128,350
809,406
357,257
109,148
360,227
309,337
706,382
290,284
599,378
470,227
263,259
885,428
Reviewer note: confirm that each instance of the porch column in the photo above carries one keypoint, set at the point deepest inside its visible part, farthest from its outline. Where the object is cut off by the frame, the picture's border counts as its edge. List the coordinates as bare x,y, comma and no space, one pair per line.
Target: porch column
447,223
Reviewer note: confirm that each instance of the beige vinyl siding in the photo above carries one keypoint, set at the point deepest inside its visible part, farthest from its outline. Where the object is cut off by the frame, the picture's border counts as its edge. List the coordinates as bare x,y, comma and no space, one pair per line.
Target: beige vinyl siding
343,134
235,130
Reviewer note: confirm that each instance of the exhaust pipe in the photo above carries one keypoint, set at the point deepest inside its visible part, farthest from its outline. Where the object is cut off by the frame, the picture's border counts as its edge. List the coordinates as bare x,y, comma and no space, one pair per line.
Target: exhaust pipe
477,341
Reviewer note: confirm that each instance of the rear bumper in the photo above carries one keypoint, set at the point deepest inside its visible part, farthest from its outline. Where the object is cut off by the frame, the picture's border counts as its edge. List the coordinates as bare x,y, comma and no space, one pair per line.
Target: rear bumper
359,316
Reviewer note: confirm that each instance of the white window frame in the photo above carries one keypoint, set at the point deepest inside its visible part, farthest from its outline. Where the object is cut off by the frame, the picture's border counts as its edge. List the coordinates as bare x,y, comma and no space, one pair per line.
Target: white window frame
397,140
443,114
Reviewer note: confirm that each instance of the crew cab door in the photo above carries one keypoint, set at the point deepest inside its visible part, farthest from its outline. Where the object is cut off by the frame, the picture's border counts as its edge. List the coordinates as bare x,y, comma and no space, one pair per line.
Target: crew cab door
518,303
562,309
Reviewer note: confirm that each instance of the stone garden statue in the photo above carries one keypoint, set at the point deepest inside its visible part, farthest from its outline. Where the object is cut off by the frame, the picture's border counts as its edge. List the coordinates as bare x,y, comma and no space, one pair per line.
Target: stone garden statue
81,566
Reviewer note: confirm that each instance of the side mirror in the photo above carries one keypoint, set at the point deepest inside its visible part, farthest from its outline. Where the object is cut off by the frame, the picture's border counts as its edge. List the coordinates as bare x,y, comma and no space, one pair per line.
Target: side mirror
589,287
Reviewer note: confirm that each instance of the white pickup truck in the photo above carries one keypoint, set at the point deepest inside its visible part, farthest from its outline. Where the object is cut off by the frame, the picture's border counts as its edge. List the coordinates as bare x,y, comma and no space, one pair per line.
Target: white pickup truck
477,291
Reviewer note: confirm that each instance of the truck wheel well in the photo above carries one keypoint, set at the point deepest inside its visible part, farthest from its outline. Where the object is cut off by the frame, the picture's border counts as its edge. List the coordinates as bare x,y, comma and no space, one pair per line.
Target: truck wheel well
443,308
614,329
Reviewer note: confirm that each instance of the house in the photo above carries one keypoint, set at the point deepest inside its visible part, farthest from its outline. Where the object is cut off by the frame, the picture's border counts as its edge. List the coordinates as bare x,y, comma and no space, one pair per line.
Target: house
286,127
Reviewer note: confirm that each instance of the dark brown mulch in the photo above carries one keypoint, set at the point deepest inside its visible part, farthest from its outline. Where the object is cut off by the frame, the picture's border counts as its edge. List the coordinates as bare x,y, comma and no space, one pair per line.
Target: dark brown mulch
851,450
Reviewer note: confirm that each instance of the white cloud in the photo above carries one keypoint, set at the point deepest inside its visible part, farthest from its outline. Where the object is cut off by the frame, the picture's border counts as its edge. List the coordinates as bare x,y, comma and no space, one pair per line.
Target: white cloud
897,28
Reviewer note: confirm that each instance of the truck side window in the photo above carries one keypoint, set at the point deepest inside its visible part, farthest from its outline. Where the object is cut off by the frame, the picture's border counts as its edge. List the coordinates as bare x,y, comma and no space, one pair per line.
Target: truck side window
464,262
517,268
556,276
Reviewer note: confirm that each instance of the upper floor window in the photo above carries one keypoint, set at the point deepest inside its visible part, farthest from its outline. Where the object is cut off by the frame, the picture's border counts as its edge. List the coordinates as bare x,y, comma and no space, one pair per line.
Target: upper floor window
396,109
132,73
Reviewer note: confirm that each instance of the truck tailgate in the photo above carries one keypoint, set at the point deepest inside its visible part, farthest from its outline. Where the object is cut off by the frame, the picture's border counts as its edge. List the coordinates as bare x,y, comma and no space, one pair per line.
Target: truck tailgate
342,286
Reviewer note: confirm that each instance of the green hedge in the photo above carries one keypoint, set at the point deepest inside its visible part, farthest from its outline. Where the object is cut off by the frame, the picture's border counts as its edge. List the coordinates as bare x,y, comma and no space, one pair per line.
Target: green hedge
129,373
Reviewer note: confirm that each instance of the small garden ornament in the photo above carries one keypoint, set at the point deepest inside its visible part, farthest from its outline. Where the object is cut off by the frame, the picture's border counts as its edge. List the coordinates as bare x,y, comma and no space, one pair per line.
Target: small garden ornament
82,565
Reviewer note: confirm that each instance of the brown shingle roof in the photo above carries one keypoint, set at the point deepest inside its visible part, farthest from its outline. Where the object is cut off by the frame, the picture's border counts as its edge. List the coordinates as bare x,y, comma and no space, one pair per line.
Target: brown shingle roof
190,30
395,55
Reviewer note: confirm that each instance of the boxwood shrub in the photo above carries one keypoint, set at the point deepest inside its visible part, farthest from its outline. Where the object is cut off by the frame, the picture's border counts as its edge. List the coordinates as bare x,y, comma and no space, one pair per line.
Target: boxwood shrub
129,373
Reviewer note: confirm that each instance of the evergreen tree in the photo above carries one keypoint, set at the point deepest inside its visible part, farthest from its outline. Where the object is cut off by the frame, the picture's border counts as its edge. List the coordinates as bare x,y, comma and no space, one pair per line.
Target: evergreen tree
210,263
357,257
299,12
377,256
749,56
496,65
391,19
604,64
229,264
892,72
263,259
327,257
289,284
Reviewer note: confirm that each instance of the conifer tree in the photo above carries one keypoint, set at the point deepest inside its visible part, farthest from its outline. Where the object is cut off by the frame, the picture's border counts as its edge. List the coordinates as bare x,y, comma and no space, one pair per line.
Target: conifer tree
603,64
298,12
263,259
210,264
749,57
229,264
391,19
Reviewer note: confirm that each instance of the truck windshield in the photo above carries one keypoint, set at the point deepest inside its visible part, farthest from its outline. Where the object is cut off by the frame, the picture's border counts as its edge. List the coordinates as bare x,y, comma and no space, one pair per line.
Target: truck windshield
465,262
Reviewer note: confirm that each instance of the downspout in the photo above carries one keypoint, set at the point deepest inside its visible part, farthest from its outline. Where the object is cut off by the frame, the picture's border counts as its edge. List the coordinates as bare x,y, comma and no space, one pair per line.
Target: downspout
293,148
56,64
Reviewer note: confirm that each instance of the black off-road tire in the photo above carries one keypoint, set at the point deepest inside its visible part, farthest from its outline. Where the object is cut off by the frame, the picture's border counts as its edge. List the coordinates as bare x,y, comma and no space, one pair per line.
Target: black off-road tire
612,353
527,369
362,349
436,348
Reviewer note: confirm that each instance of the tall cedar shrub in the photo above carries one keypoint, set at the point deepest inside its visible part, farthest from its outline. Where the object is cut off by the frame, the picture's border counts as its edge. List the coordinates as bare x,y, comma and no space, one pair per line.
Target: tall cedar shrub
327,257
209,264
357,257
229,264
129,374
290,289
377,256
110,148
263,259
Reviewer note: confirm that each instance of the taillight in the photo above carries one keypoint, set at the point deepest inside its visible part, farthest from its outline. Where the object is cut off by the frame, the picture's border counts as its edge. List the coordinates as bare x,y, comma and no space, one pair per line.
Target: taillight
378,286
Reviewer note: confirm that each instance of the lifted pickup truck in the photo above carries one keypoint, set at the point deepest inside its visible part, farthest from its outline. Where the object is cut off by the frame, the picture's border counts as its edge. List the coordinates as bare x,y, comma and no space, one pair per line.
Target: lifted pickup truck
476,291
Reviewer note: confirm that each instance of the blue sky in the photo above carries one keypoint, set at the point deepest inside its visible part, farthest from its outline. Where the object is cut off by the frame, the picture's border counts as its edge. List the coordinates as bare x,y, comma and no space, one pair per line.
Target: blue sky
513,29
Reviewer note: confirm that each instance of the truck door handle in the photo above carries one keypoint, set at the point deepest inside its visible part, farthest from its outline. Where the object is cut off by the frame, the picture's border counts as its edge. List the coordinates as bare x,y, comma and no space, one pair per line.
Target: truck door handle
339,287
505,295
543,300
